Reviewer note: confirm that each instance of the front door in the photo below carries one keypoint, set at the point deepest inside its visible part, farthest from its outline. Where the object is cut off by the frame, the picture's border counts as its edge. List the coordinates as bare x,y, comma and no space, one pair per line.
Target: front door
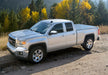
56,41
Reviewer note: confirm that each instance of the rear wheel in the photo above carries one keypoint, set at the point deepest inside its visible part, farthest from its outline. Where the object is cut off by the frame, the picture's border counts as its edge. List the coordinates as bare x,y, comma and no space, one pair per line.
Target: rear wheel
88,43
37,54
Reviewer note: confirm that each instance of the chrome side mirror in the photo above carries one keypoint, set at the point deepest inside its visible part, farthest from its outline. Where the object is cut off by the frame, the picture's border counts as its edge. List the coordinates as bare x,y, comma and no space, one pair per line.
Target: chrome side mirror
53,32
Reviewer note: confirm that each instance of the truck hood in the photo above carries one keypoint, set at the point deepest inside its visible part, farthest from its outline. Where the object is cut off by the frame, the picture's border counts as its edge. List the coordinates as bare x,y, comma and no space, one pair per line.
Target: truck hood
25,34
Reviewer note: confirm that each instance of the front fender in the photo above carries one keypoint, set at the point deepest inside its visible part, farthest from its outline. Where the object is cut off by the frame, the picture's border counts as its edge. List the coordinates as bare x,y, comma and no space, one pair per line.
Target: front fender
35,41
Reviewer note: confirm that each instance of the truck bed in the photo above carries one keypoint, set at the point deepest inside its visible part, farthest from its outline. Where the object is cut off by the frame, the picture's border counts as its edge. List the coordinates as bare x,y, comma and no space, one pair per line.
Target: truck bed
83,27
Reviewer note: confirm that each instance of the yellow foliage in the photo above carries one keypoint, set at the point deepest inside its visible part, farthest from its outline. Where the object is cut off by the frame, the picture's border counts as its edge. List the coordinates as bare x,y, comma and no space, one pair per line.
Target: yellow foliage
44,13
35,16
85,5
77,1
6,23
25,14
62,9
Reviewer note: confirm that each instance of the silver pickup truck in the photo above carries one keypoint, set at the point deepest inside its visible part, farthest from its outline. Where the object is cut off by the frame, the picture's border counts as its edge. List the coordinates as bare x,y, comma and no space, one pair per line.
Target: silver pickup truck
50,35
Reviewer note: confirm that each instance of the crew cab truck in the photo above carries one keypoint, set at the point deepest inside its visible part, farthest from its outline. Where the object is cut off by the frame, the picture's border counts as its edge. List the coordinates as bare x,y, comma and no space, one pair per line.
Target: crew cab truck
50,35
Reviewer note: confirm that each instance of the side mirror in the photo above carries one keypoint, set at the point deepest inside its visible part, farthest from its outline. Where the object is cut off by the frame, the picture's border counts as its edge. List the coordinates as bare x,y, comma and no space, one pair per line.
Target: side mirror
53,32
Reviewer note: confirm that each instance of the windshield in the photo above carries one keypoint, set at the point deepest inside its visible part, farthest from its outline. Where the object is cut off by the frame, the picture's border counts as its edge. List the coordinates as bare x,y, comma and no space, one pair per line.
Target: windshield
41,27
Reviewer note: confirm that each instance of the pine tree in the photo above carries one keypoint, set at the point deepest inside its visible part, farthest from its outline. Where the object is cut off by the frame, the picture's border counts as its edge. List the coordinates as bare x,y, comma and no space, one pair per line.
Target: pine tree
0,28
39,5
74,13
32,6
3,15
102,14
52,11
13,21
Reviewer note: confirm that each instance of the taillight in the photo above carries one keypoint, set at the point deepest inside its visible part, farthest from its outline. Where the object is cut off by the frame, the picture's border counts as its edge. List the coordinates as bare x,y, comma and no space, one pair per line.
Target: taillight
98,32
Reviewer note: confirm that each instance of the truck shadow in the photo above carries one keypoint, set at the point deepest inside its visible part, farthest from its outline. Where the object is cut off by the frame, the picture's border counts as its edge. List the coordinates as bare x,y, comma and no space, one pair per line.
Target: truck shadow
53,59
56,59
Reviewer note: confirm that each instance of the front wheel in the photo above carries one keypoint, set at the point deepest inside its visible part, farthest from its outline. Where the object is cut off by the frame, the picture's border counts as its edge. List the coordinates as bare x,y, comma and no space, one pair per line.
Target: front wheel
37,54
88,44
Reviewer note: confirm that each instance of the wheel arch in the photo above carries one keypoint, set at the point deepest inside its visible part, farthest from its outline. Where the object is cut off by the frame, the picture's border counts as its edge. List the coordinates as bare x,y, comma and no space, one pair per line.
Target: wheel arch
38,44
90,35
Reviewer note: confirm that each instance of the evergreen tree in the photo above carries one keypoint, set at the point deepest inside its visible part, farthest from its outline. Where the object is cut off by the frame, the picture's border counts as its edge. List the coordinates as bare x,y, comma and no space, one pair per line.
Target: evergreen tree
102,14
74,13
39,5
3,15
29,23
13,21
32,6
0,28
52,11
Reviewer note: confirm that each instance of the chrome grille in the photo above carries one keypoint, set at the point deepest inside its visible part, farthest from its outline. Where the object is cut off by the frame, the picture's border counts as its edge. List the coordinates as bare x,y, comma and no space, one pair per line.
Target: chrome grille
12,41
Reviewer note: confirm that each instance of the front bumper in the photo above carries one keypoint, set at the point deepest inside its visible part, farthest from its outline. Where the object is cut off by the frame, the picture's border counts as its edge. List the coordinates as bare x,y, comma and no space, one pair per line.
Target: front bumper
20,52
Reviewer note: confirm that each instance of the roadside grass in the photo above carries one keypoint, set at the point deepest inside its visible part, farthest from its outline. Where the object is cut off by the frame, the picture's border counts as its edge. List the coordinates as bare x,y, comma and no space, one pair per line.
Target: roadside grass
3,41
103,29
4,37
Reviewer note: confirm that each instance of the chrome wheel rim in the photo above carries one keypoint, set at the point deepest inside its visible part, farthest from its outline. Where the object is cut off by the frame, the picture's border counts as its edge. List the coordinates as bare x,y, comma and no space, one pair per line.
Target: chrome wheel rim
37,55
89,43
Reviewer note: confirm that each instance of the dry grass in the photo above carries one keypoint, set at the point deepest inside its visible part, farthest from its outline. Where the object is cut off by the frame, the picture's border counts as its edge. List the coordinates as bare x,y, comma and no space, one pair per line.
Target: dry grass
3,41
103,29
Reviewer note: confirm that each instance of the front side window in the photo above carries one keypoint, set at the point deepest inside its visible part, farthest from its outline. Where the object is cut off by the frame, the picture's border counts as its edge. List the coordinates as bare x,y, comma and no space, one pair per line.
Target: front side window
69,27
58,28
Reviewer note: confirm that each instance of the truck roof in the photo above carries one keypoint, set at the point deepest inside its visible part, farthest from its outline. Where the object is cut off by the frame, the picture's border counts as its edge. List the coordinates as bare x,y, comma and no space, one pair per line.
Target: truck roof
56,20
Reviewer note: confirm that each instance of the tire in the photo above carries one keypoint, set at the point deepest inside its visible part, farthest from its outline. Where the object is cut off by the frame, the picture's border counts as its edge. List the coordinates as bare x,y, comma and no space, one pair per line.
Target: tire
88,43
37,54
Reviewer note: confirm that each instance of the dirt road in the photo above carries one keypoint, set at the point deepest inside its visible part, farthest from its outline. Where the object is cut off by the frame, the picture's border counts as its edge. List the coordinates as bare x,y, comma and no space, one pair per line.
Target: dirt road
72,61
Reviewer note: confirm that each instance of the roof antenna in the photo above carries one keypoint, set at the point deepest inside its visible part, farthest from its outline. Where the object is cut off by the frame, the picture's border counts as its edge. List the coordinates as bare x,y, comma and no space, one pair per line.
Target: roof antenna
51,21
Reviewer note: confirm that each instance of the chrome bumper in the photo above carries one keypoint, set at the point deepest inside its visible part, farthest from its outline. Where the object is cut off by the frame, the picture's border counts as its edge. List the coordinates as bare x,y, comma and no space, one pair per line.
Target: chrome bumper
18,52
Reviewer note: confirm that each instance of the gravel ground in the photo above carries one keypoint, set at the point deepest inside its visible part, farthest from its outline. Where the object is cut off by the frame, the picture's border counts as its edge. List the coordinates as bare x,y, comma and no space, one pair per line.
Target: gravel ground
71,61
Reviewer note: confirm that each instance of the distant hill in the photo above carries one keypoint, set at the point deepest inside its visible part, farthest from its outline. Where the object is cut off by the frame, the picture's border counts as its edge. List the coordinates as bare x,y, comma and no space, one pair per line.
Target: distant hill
17,4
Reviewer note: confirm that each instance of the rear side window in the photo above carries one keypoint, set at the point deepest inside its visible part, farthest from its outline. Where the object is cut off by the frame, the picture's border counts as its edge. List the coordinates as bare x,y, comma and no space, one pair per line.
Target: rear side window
58,28
69,27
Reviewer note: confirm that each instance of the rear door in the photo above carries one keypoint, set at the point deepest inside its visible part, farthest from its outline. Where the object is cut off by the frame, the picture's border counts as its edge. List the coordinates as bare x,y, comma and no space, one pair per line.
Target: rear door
56,41
70,34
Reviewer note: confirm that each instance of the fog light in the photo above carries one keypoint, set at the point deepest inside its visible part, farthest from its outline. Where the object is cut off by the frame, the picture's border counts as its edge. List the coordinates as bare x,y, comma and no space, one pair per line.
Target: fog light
20,53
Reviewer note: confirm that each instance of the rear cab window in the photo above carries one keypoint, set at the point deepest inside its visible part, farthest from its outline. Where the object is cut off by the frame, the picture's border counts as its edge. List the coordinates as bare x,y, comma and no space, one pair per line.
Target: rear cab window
69,27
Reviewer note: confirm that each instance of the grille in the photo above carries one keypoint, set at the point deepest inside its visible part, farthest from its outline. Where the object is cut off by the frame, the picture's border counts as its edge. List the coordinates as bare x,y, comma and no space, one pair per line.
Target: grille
12,41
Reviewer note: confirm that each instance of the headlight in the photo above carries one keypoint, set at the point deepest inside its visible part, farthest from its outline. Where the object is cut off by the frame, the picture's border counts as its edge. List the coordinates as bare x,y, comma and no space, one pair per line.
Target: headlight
20,43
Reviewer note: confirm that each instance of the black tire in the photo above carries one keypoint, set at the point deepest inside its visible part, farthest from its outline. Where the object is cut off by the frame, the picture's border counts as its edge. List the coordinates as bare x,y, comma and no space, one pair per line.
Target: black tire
32,52
85,44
